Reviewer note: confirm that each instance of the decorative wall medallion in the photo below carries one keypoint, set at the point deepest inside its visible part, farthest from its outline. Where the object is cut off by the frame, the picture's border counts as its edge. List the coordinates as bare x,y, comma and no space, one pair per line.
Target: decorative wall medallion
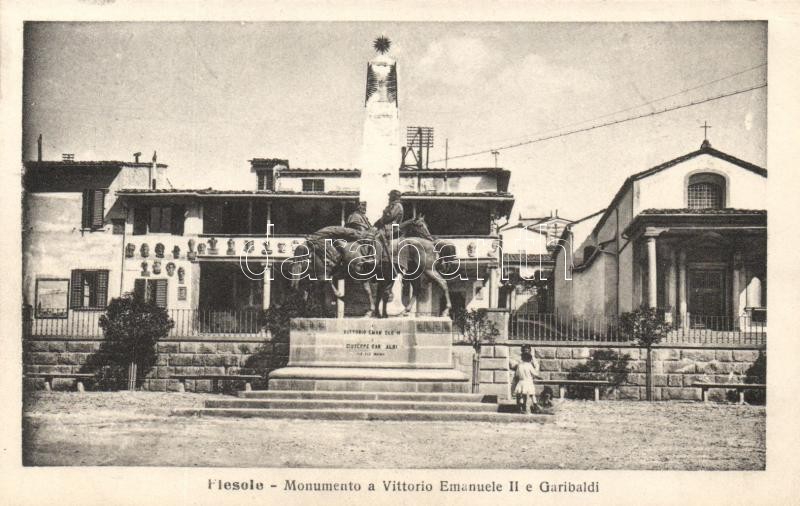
191,254
249,246
267,248
281,247
201,248
144,250
176,252
156,266
212,246
495,246
181,275
145,272
471,249
231,247
130,250
170,269
159,250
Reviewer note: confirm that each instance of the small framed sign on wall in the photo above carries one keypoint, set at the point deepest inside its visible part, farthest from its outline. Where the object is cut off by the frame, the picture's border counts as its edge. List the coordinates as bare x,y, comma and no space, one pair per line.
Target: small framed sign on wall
181,293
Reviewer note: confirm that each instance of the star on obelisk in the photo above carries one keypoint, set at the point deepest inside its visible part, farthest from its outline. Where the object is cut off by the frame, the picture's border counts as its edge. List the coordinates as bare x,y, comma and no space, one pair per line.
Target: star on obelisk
382,44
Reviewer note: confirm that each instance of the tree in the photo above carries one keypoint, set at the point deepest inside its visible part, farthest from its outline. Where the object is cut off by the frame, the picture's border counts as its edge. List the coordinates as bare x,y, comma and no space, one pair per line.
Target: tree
132,328
647,327
477,329
602,365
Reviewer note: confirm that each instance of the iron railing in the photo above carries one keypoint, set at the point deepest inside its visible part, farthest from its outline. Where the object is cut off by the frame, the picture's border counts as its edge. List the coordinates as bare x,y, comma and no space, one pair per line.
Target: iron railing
187,323
555,327
544,327
695,329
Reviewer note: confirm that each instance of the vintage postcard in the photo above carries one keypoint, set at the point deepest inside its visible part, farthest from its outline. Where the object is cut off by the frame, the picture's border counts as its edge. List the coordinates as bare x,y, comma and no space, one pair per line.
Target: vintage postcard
269,255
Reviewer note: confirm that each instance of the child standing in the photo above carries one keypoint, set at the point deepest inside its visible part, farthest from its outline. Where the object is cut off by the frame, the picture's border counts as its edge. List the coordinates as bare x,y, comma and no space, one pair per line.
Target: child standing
524,375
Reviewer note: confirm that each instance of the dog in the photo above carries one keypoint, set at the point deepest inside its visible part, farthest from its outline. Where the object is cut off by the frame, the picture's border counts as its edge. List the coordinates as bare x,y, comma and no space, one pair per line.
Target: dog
546,398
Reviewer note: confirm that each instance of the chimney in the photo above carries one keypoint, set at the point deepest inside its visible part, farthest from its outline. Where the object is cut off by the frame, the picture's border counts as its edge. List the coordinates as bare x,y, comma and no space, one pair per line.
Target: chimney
136,156
39,148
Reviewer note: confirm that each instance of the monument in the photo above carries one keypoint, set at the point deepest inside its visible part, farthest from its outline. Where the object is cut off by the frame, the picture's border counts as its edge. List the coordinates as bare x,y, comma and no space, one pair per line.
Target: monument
411,354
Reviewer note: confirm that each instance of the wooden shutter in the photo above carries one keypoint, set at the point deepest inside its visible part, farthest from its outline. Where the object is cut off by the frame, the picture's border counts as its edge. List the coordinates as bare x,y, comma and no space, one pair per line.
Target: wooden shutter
139,288
86,213
261,181
161,292
98,208
178,213
76,289
101,289
140,219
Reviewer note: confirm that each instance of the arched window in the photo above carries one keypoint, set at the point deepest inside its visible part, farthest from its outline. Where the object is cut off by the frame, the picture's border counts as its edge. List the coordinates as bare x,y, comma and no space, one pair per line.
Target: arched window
706,191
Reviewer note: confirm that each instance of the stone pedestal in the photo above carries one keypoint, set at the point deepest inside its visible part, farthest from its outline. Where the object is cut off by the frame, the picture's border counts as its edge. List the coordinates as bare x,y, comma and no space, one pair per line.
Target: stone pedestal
370,354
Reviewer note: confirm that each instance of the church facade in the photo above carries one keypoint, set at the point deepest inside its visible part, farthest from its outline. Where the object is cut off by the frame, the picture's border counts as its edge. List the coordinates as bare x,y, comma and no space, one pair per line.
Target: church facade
688,236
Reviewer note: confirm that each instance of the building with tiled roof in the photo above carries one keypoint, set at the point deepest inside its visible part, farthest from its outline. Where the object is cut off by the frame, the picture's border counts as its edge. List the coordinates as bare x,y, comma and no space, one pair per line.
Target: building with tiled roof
687,237
98,229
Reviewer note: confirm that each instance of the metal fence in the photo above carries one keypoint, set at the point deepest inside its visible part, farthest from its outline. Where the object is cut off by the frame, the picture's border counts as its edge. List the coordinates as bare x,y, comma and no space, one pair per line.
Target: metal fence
187,323
544,327
696,329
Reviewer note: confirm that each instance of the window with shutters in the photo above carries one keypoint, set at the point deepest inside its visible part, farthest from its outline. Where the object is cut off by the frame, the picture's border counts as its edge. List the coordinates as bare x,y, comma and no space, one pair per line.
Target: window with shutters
313,185
158,220
266,180
89,289
153,291
93,212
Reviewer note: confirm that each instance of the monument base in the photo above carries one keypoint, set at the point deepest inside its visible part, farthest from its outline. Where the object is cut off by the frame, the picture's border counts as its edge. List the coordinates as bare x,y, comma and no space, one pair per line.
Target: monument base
368,379
370,355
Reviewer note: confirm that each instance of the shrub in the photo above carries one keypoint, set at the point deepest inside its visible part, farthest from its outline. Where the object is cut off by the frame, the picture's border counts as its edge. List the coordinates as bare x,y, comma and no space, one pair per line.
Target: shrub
476,327
646,326
276,319
602,365
132,328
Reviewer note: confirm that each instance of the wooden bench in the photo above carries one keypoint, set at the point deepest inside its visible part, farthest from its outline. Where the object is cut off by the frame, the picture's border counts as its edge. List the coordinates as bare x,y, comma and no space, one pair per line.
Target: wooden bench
215,379
49,377
739,387
562,385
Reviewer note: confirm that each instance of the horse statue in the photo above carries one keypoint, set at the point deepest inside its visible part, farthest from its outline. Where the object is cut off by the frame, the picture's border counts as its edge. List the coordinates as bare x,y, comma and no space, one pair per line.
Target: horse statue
335,253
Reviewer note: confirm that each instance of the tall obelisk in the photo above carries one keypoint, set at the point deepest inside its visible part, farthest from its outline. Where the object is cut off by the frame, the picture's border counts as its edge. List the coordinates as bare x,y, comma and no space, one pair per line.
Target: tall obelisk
380,151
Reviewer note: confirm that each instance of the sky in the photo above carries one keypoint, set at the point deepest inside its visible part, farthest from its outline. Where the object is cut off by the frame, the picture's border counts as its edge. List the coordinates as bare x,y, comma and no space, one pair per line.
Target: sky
208,97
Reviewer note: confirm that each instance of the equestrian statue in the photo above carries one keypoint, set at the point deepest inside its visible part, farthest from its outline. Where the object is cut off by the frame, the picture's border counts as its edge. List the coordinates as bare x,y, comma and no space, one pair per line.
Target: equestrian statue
373,254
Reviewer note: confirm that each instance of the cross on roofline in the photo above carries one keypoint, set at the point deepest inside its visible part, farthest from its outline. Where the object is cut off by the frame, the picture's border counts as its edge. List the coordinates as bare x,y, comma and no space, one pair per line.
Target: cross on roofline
705,128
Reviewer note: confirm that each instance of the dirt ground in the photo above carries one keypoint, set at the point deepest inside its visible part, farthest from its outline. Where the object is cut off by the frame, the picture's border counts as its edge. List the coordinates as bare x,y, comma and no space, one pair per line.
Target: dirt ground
135,429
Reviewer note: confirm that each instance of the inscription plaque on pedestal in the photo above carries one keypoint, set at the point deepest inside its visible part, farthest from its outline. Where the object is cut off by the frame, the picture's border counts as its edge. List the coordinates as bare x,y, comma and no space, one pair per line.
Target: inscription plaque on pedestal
370,354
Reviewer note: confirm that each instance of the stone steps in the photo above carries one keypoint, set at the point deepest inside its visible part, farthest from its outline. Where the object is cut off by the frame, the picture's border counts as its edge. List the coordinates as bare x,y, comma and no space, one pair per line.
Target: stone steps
356,405
366,414
374,396
336,404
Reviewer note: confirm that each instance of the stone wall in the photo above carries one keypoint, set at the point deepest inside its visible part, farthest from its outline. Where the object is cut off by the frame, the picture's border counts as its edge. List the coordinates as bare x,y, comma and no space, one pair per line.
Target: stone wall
220,355
675,367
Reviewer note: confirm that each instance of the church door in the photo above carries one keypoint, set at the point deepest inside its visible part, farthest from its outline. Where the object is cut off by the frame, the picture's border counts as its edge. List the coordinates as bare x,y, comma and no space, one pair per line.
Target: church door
707,298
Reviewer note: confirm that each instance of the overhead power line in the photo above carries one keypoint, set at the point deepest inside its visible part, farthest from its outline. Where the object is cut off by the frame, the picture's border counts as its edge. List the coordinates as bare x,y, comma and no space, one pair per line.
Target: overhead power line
608,123
643,104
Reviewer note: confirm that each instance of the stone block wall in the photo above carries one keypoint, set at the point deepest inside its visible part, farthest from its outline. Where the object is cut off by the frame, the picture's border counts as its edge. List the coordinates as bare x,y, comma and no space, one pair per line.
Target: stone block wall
220,355
675,367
